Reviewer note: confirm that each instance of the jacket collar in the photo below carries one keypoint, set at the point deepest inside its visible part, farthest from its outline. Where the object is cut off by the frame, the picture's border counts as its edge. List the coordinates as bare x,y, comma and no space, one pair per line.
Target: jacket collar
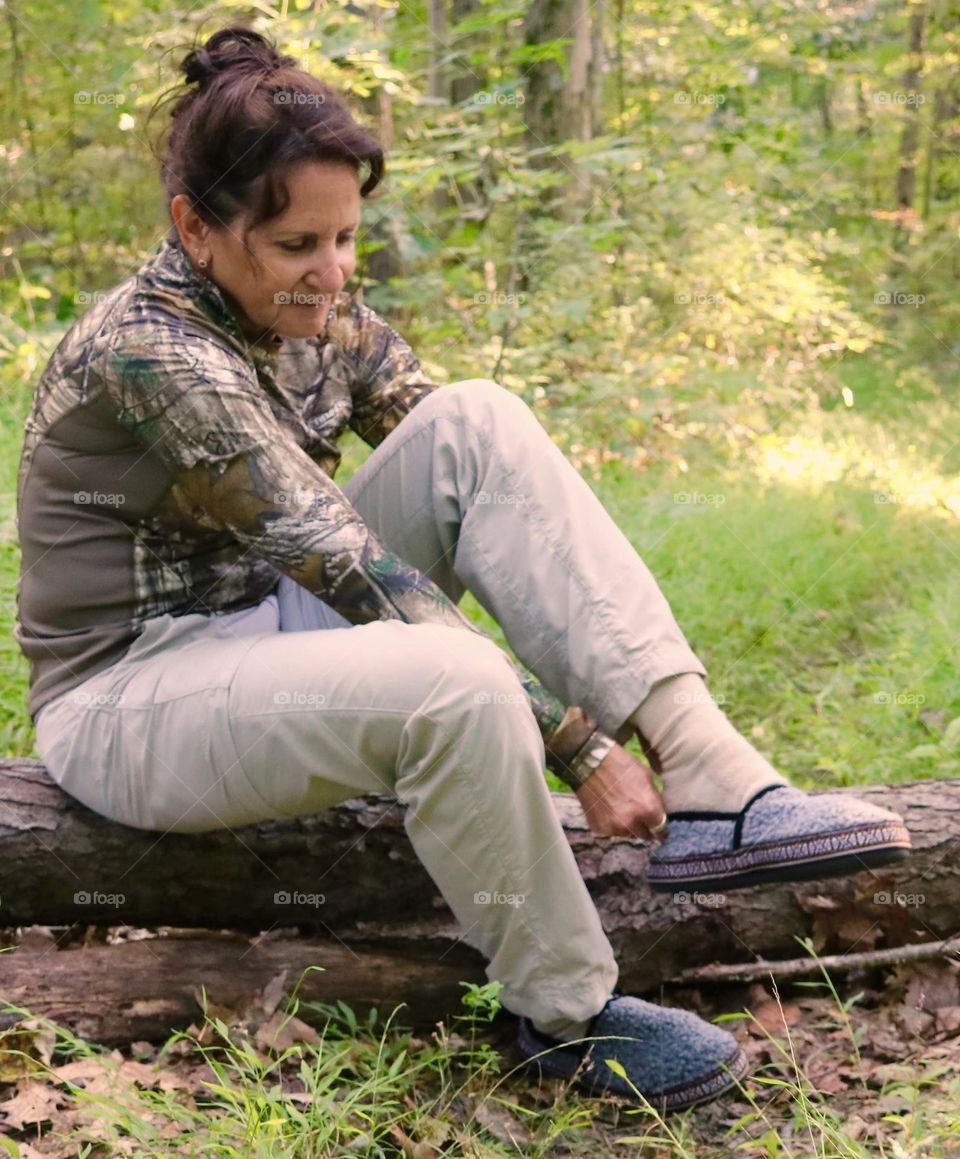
172,270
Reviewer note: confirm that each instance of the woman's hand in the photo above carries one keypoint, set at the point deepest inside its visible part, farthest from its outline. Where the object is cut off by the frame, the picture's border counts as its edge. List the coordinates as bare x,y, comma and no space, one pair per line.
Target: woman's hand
620,799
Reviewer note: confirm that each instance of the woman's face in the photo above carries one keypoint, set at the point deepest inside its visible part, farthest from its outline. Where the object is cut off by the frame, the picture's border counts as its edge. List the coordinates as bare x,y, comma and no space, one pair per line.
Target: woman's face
295,263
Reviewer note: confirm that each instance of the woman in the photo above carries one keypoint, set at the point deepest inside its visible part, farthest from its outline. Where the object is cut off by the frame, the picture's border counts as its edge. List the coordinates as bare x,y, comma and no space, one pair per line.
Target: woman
219,634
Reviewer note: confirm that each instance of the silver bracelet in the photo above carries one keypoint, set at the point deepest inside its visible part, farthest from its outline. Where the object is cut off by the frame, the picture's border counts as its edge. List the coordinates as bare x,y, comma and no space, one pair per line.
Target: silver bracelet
588,758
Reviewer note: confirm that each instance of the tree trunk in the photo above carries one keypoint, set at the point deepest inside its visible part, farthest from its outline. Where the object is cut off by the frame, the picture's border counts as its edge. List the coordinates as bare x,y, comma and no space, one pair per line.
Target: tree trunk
910,137
437,19
146,989
824,99
943,139
467,77
561,100
350,874
383,263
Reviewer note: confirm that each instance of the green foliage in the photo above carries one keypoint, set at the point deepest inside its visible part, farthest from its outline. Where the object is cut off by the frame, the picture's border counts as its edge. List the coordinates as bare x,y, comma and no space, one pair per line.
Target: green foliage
737,211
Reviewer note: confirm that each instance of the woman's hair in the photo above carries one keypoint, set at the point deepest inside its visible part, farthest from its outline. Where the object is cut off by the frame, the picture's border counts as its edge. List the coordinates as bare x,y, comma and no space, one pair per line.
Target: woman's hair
243,117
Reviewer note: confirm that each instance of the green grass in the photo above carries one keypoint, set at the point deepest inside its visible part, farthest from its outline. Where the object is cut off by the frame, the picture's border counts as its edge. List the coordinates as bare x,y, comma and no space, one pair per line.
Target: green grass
827,622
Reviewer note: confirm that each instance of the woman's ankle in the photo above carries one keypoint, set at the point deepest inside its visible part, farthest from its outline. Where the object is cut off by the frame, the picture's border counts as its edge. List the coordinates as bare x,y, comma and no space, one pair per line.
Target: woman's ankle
705,763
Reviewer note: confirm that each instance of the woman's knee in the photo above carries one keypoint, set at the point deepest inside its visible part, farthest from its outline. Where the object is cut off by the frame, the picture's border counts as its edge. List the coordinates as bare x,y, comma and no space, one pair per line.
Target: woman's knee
477,702
471,679
484,398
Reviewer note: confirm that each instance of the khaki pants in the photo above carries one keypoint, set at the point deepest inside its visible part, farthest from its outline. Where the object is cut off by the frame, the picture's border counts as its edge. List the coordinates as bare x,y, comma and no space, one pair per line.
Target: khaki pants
284,709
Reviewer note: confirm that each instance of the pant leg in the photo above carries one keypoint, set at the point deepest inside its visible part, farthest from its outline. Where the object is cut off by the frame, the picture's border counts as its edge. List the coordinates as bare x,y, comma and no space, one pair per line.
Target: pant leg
218,721
472,491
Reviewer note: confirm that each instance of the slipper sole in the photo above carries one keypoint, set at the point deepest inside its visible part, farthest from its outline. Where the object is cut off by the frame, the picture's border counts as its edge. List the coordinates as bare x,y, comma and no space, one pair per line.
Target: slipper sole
799,859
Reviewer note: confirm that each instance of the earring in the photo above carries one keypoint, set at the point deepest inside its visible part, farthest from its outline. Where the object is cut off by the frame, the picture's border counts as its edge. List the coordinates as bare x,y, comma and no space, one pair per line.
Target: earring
202,263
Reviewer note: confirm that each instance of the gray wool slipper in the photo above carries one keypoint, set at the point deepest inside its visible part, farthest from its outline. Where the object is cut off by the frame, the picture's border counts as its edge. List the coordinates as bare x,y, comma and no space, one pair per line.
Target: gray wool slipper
673,1058
781,834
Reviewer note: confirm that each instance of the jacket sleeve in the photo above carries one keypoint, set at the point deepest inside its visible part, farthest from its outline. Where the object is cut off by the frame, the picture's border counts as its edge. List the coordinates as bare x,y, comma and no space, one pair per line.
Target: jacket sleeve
383,375
199,407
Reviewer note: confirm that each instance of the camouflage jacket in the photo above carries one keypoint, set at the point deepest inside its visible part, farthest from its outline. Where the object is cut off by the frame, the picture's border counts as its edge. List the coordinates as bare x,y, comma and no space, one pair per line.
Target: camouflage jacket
172,466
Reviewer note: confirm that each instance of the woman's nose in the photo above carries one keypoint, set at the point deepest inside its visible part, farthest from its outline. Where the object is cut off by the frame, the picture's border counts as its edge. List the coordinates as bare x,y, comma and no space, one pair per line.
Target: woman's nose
325,278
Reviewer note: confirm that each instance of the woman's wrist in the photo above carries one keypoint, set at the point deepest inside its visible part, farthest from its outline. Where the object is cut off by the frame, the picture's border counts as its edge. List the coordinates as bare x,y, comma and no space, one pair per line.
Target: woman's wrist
577,748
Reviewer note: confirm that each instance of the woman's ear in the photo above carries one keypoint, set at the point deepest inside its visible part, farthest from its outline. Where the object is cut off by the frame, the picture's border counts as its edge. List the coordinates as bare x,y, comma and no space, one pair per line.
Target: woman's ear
191,228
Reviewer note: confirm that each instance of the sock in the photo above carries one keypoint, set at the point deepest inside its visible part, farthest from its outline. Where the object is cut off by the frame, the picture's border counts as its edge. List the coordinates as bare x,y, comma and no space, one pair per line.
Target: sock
562,1029
706,765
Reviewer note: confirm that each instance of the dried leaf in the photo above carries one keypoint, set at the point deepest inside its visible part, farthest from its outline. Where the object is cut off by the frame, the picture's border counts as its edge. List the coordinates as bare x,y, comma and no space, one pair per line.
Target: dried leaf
25,1049
282,1031
33,1104
774,1016
948,1020
272,994
411,1149
936,984
501,1124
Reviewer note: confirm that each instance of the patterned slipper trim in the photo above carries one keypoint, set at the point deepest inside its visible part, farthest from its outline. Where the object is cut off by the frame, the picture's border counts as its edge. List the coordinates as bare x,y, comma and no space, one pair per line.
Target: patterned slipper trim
565,1063
821,846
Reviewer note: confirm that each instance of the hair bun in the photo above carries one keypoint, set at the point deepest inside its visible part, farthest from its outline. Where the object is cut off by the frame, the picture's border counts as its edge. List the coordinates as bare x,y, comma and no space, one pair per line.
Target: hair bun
234,50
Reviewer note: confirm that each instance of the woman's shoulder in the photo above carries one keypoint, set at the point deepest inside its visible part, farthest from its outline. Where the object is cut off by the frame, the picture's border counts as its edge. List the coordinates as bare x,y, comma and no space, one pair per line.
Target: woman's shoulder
157,314
168,295
167,308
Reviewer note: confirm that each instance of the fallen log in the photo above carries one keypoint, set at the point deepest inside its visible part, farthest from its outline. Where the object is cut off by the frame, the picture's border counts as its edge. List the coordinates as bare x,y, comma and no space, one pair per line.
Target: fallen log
350,876
145,989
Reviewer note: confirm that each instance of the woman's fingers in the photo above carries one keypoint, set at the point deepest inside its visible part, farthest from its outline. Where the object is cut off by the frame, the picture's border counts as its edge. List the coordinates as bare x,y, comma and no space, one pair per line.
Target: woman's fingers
620,799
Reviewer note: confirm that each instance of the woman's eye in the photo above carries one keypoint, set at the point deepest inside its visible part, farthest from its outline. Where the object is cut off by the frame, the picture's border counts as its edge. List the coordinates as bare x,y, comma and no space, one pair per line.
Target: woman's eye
299,247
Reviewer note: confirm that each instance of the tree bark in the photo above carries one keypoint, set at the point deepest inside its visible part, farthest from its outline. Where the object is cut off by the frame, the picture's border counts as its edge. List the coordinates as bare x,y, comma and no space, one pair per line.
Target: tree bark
467,77
389,937
437,21
384,263
145,990
910,137
562,101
